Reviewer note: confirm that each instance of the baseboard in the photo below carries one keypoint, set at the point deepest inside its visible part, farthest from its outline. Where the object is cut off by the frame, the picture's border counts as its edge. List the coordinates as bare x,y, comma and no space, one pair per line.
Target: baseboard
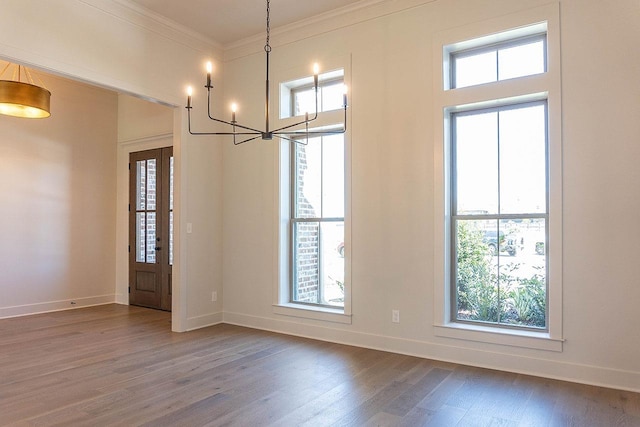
204,321
584,374
49,306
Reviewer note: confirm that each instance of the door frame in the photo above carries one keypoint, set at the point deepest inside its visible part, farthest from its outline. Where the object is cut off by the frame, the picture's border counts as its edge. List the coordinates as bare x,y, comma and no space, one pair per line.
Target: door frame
125,148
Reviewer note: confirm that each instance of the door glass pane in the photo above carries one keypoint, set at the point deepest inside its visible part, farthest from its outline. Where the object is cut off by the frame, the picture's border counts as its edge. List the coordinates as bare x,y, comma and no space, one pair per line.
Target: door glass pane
151,237
141,185
170,238
476,153
151,184
171,183
523,160
140,237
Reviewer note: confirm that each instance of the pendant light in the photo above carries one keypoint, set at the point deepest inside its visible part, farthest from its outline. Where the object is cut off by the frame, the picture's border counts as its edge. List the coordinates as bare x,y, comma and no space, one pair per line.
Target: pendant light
23,99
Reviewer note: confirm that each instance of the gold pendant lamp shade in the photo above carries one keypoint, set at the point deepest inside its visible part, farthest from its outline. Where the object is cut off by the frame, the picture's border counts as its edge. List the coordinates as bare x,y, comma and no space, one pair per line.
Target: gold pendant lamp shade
20,99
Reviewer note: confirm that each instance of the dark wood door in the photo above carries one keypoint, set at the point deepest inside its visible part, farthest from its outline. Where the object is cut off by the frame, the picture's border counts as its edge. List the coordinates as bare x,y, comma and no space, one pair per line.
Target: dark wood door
151,228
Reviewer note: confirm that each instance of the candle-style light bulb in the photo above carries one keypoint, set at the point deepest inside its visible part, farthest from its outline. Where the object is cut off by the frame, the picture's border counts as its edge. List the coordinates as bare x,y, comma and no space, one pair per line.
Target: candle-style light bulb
234,108
189,93
344,96
316,70
209,69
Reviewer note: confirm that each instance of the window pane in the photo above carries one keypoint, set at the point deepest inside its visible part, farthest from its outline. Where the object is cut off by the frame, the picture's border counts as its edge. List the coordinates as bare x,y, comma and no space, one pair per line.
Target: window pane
319,263
151,237
332,263
304,101
523,160
476,163
332,98
523,275
523,60
140,237
151,184
309,179
477,292
141,185
333,177
475,69
307,262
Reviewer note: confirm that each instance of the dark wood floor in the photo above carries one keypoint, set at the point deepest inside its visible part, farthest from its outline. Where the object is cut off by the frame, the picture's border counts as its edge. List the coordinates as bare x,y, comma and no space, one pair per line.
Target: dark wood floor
118,365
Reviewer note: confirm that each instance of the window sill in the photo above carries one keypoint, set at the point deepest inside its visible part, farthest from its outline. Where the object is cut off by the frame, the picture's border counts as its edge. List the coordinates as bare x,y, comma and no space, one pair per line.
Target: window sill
500,336
311,312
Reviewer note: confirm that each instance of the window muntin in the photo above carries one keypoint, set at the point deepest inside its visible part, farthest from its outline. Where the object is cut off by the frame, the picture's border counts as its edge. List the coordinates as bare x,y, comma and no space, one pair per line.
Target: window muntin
329,97
500,216
502,61
317,222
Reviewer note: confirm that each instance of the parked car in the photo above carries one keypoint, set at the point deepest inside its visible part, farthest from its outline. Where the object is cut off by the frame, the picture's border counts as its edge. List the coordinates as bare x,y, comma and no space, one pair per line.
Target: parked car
508,244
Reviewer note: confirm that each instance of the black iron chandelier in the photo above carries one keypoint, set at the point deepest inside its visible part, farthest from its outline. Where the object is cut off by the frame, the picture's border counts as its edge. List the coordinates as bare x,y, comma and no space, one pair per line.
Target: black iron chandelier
294,132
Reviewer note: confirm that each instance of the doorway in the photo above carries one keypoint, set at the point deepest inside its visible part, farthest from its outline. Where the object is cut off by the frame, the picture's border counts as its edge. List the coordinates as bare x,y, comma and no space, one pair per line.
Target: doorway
151,228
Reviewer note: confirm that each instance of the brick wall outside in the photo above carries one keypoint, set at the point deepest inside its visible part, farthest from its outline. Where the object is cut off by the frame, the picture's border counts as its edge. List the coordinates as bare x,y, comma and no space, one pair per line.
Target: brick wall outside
307,242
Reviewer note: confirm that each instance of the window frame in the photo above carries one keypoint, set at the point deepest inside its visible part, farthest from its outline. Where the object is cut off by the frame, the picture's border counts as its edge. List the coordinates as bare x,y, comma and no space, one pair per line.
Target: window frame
455,216
295,219
288,79
447,100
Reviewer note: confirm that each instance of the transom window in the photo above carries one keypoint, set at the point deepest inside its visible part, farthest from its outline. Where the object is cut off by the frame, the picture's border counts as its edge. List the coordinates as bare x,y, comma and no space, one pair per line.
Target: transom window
507,60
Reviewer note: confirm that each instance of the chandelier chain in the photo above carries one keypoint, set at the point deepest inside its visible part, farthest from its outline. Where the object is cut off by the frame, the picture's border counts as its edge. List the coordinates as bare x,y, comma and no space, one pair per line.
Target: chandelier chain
267,46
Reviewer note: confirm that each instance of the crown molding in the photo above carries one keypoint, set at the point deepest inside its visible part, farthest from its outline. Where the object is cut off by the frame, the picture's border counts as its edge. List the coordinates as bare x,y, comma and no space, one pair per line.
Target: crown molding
362,11
142,17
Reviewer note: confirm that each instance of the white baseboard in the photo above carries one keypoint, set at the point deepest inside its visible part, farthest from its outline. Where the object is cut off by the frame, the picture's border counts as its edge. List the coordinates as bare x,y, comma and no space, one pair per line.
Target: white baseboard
528,365
49,306
204,321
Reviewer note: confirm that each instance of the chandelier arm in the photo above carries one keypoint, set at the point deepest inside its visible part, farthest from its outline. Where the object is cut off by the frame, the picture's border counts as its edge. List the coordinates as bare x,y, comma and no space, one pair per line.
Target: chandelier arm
246,140
224,121
318,132
291,140
217,133
305,120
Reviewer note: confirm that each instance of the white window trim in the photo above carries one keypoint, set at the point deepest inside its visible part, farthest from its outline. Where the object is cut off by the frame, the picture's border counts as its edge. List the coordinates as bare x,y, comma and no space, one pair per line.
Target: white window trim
547,85
281,288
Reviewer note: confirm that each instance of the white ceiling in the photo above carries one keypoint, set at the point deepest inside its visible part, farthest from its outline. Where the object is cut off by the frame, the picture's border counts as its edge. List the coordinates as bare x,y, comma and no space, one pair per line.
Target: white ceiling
227,21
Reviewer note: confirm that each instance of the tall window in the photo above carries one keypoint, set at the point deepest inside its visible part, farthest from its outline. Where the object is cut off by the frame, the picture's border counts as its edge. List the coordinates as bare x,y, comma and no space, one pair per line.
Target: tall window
499,214
317,221
317,197
499,199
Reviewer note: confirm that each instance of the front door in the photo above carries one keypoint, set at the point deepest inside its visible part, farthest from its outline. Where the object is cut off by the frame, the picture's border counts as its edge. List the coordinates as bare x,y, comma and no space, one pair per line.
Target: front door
151,228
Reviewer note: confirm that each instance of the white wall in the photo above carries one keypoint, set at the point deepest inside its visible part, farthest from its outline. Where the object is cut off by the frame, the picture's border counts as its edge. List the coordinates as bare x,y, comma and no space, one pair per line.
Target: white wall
57,222
393,178
108,44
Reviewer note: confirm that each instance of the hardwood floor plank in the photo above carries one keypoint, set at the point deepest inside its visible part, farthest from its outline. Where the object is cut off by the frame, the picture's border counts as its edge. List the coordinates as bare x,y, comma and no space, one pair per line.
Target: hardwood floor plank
122,366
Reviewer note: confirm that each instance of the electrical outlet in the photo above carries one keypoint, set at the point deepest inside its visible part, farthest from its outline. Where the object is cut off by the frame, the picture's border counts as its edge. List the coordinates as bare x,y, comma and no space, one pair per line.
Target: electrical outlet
395,316
214,296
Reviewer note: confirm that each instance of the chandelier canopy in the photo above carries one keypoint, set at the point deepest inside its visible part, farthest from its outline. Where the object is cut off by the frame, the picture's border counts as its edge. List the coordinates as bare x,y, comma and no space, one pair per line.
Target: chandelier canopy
22,99
298,132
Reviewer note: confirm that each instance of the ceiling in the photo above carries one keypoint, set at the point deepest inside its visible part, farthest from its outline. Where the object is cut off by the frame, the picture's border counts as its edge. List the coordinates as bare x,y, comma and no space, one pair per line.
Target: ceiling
227,21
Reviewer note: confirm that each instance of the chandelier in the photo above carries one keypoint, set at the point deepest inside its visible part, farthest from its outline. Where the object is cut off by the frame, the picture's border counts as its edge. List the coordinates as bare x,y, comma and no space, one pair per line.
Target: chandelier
20,99
294,132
